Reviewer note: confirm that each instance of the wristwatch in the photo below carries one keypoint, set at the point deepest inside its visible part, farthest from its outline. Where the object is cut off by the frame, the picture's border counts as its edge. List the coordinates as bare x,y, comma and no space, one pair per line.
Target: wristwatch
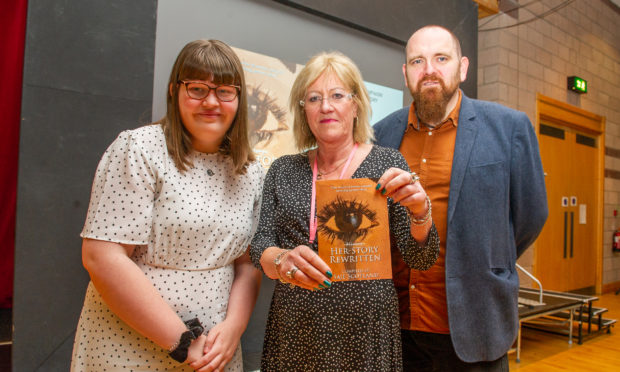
178,352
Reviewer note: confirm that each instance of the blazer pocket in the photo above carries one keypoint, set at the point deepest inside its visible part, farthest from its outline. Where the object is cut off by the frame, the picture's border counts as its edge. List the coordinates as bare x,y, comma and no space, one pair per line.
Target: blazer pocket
500,272
488,182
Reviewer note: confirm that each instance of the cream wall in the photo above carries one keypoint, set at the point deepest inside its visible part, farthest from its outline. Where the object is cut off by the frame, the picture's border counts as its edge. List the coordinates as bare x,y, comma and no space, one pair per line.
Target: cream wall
581,38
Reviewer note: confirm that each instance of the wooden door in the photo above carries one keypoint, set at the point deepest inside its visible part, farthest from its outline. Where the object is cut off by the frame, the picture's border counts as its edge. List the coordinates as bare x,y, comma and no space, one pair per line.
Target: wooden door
584,173
552,243
566,248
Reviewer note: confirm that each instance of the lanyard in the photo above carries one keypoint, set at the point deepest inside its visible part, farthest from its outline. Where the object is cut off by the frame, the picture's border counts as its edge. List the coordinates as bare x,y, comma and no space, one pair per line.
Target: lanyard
313,222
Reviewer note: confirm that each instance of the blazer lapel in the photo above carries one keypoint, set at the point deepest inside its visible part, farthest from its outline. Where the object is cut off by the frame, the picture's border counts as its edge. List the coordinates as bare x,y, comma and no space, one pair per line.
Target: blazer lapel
396,136
464,143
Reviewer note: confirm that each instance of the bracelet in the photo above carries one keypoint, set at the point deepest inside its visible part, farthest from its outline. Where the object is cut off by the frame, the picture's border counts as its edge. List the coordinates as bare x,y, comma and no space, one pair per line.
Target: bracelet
426,218
277,261
190,324
174,346
178,351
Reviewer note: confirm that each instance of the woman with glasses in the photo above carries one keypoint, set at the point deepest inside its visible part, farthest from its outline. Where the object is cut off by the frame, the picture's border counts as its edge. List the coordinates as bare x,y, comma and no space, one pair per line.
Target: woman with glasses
172,211
315,324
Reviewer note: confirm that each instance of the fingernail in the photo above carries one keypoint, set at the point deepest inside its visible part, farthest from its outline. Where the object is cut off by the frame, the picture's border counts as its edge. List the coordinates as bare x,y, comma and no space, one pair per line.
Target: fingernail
383,191
321,285
329,274
327,283
378,186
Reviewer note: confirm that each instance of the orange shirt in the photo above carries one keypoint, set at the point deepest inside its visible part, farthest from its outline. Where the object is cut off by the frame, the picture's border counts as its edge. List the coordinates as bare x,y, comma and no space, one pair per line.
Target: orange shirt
429,153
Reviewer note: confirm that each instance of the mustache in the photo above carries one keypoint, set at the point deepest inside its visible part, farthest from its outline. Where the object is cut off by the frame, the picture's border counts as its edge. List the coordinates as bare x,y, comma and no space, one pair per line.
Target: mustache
431,77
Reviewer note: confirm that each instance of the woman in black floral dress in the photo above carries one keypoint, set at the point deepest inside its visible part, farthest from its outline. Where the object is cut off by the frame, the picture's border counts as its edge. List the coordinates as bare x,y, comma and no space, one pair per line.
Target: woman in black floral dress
314,324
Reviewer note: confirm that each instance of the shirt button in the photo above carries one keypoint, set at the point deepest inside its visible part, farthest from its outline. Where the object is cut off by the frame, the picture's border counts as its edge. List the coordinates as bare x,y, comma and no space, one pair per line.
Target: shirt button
430,133
412,286
423,160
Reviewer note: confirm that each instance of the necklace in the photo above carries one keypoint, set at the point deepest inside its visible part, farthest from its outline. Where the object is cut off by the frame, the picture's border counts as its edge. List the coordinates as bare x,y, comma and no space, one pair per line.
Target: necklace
321,173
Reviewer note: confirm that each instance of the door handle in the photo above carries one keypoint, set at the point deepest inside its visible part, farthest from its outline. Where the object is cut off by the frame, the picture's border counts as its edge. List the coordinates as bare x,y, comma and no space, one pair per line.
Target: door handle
565,231
572,232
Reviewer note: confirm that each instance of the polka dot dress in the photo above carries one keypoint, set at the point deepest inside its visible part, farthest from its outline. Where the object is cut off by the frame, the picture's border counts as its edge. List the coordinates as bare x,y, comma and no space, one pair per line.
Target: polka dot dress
188,229
352,326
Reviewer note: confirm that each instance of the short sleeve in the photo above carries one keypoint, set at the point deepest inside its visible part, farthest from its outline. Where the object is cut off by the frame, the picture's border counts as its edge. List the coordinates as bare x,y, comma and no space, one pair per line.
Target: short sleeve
122,195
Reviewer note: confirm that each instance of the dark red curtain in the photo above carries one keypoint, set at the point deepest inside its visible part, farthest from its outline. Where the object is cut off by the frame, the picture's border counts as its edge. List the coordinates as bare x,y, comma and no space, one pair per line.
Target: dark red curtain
12,36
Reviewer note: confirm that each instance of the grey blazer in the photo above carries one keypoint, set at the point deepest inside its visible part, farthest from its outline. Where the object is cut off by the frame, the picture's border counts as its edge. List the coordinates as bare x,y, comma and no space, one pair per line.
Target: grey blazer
496,208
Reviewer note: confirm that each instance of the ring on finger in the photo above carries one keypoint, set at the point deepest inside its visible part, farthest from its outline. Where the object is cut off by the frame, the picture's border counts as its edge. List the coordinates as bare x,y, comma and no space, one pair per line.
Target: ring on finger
291,272
414,177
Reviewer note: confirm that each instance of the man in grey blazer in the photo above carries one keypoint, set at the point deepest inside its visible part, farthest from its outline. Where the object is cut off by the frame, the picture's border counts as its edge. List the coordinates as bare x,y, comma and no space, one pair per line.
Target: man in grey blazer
479,162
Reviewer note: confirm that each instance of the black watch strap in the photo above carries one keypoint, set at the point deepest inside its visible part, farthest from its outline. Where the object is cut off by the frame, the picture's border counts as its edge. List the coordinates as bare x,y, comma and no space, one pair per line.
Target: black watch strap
195,329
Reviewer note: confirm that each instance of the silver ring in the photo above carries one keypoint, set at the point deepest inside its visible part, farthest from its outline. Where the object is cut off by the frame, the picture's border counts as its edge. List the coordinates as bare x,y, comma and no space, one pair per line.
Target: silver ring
291,272
414,177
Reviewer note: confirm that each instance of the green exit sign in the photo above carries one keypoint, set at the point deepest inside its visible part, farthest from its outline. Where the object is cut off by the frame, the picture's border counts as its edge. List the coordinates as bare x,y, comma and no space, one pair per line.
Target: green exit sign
577,84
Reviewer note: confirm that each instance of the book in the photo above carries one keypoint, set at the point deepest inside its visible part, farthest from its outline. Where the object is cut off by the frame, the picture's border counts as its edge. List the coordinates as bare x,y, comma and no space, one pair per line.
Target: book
353,229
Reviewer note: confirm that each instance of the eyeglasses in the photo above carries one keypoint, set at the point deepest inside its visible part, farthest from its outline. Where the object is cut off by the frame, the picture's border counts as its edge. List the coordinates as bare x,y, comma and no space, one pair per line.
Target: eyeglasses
224,93
335,97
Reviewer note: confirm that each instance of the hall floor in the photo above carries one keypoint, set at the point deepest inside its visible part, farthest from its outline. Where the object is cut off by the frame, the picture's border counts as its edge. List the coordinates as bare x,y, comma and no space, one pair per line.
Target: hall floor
542,351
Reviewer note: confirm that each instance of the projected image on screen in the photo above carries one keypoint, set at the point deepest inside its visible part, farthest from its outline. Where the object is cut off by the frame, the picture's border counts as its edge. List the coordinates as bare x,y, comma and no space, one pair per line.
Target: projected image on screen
269,82
267,117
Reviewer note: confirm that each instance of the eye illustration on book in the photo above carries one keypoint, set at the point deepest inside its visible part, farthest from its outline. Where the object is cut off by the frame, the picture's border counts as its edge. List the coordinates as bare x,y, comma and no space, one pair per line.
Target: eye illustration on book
346,220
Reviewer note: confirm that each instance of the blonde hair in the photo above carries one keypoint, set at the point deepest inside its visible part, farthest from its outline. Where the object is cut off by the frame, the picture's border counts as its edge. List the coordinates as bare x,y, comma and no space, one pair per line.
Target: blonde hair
348,73
207,60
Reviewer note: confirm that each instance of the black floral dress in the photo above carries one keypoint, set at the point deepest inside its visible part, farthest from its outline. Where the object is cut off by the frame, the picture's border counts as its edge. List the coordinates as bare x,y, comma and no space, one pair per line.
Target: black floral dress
352,326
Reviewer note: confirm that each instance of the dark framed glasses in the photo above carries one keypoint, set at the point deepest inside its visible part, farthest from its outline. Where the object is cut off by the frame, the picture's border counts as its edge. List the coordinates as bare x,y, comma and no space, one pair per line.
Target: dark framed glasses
224,93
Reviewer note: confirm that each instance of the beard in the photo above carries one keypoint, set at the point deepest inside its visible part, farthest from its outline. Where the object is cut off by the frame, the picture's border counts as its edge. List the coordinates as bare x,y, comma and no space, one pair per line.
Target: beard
431,103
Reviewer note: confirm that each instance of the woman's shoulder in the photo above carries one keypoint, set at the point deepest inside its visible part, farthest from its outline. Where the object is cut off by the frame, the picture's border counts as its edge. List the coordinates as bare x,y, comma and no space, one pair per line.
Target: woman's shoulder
151,135
287,166
386,153
148,140
384,158
290,160
147,136
255,170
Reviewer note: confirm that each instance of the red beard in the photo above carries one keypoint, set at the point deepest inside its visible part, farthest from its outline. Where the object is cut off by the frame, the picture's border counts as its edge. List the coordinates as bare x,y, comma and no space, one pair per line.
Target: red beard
431,103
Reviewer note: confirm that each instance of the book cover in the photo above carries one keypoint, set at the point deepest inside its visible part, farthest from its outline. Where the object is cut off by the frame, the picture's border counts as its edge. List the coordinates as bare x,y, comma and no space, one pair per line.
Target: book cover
353,229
